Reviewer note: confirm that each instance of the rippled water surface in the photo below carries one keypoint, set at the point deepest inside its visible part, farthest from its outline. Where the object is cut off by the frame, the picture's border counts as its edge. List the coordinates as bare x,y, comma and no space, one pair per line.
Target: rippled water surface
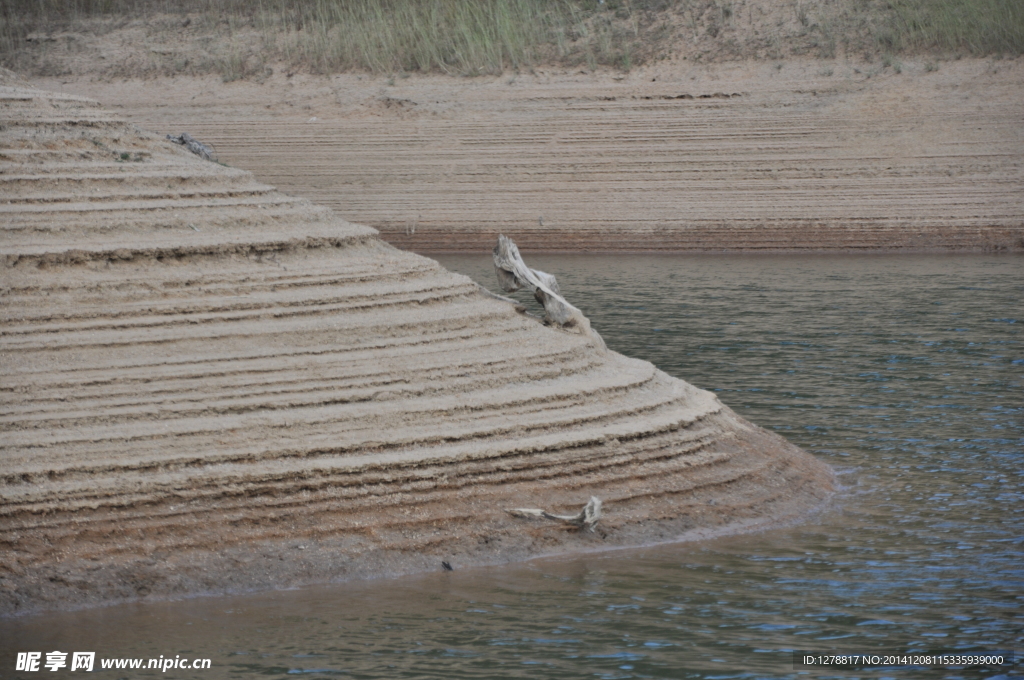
903,372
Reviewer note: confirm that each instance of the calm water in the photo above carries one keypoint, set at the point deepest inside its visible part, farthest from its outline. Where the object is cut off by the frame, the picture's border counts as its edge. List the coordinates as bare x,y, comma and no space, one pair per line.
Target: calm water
904,373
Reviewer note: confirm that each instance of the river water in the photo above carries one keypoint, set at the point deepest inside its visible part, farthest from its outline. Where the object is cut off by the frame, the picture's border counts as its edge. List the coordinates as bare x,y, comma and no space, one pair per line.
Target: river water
903,372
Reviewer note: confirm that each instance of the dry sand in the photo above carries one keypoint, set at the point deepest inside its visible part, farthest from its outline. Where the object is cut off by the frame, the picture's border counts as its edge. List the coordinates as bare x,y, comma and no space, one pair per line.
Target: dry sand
209,386
751,155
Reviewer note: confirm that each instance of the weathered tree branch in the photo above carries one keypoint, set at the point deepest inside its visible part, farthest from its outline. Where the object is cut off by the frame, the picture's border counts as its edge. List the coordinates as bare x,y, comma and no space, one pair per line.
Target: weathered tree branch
585,518
513,274
193,145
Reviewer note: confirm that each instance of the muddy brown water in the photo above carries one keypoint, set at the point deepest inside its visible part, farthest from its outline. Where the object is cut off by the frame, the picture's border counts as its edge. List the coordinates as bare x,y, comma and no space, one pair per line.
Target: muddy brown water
904,373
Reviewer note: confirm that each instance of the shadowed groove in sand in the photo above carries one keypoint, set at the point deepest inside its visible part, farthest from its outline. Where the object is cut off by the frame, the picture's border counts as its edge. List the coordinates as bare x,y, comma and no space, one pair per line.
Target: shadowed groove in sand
209,386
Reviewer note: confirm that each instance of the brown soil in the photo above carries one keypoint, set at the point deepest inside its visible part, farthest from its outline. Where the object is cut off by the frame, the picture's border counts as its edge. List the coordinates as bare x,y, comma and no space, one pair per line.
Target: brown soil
753,155
209,386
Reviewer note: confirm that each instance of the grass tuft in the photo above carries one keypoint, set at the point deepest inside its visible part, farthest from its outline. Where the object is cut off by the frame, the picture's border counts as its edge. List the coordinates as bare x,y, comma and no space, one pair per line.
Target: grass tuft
452,36
467,37
978,27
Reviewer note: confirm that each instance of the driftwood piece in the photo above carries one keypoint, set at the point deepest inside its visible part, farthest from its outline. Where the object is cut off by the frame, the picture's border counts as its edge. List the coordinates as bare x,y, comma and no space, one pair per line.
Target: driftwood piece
194,145
585,519
513,274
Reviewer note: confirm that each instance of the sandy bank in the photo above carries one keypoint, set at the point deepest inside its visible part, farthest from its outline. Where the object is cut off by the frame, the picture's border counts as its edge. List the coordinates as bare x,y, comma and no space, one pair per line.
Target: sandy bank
791,155
209,386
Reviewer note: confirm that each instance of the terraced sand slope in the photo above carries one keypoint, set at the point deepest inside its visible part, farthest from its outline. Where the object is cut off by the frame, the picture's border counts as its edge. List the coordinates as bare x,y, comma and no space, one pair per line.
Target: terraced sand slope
209,386
812,155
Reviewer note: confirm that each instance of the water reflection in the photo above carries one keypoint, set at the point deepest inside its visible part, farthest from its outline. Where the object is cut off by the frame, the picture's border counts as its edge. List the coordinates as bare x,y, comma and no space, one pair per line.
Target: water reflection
903,372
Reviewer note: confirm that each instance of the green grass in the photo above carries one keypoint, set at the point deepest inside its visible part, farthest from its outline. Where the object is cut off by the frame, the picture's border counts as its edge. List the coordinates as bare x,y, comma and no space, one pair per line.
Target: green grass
466,37
977,27
453,36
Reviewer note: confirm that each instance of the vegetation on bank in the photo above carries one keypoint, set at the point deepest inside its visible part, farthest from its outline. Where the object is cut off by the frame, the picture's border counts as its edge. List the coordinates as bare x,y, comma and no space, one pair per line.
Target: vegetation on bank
237,38
976,27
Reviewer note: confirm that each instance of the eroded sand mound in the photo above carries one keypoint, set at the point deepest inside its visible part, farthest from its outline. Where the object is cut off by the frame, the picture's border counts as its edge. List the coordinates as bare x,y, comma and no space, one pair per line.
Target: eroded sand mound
210,386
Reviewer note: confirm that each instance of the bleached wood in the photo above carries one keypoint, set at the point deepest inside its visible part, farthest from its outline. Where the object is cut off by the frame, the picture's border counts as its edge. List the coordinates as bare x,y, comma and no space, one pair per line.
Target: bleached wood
513,274
586,518
204,151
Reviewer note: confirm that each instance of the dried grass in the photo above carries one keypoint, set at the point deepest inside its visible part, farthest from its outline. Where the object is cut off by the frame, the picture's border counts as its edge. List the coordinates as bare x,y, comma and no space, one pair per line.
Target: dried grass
470,37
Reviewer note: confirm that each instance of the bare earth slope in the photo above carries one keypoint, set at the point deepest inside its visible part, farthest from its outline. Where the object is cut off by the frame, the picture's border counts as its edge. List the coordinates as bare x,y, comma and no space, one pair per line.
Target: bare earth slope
209,386
795,155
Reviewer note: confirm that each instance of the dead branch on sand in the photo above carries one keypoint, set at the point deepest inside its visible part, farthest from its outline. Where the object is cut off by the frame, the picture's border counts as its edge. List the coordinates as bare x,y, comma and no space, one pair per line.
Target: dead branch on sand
513,274
585,519
194,145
